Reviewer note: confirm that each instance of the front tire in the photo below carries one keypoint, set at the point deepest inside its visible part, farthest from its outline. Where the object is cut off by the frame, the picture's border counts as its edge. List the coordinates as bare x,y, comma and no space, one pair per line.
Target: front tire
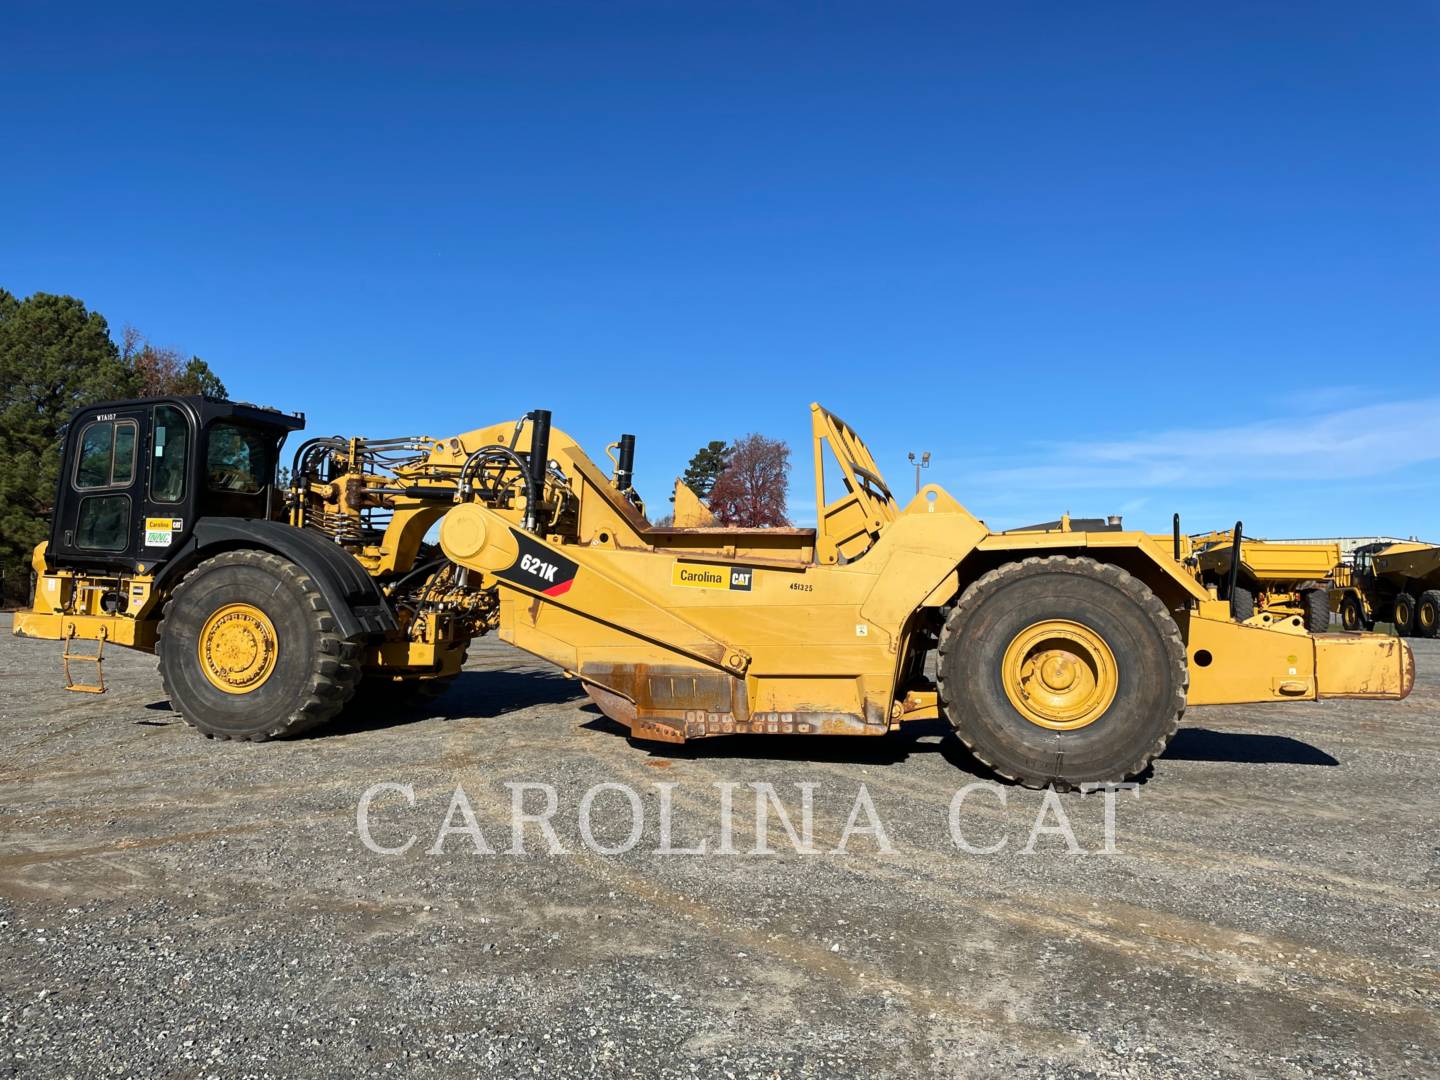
1352,613
1062,671
249,649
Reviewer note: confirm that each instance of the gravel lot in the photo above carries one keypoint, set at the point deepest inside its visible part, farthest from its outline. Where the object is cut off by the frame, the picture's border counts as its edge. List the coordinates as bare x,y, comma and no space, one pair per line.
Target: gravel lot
170,905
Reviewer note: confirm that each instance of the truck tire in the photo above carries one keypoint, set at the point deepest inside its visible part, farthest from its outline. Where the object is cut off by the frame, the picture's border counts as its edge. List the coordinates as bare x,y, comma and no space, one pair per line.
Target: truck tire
1352,613
1427,614
1243,603
1317,610
1404,614
1062,671
249,649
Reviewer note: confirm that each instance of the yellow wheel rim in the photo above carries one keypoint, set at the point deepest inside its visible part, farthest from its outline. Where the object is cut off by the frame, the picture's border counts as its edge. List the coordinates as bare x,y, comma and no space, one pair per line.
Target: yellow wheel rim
238,648
1402,613
1427,615
1060,674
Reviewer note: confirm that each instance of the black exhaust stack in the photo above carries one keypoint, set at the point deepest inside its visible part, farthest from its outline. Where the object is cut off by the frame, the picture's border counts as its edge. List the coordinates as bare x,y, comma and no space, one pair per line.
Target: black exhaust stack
625,464
1177,537
1234,568
539,462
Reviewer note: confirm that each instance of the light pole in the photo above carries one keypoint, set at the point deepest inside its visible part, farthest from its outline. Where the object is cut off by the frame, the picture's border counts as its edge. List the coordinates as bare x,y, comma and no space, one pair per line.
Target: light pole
922,462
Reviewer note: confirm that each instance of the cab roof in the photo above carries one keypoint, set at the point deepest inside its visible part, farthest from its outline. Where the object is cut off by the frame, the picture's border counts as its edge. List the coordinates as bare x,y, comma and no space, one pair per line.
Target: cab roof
208,409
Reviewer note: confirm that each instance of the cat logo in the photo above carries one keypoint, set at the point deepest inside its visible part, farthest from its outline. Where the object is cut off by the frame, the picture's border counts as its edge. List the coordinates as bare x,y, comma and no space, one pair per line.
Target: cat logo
702,576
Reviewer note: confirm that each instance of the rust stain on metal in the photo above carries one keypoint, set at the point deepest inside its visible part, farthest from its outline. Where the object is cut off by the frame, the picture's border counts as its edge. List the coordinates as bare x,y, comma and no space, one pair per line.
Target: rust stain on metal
673,704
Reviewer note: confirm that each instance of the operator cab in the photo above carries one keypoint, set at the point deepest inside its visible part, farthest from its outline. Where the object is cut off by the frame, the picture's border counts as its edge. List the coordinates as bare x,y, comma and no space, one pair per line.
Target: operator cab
137,475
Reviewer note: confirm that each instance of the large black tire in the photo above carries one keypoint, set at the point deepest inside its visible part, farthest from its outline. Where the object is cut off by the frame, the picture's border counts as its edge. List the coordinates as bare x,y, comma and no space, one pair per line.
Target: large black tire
313,672
1317,610
1243,603
1352,613
1150,675
1427,614
1404,614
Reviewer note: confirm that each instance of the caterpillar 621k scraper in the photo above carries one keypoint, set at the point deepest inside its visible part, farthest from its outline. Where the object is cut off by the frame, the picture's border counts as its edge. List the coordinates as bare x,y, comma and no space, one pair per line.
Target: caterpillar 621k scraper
1063,657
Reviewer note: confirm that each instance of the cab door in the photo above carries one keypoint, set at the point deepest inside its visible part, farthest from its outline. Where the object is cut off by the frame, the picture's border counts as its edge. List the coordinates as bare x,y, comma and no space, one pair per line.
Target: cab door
171,484
101,491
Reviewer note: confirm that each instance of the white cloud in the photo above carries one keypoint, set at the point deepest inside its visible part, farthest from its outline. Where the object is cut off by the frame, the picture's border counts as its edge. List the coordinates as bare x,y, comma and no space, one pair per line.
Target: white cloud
1342,444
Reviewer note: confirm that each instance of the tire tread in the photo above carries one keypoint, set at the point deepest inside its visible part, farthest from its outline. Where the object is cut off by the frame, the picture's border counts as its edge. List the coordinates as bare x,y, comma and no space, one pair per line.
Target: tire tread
1113,575
334,673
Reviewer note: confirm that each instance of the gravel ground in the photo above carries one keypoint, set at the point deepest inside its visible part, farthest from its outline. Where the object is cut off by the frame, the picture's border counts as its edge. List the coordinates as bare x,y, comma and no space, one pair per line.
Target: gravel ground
170,905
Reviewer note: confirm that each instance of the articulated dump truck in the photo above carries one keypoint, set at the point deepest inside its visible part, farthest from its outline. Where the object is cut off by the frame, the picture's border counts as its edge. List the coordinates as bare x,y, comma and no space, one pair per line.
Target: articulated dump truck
1062,657
1397,583
1273,582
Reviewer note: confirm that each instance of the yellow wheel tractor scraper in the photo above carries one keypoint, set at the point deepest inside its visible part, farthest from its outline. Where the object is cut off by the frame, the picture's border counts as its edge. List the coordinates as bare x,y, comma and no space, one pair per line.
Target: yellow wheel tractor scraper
1064,657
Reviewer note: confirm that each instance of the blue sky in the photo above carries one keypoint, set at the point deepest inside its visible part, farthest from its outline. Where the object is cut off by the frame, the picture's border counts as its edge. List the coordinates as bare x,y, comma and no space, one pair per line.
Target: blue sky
1104,258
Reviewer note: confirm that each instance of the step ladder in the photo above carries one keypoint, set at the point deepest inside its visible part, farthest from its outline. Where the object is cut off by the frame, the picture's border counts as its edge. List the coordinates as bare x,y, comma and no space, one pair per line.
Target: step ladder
98,659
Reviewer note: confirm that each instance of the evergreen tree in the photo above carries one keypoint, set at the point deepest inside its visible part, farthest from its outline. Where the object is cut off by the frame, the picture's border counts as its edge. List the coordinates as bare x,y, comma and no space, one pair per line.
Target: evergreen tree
705,467
55,357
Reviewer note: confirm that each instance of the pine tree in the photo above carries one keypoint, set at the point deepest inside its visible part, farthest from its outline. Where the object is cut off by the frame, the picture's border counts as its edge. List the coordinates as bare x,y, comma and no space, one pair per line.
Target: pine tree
55,357
705,467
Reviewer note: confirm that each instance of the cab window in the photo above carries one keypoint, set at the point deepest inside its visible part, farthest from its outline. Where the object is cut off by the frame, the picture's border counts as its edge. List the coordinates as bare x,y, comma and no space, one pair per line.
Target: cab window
238,460
107,454
172,445
103,523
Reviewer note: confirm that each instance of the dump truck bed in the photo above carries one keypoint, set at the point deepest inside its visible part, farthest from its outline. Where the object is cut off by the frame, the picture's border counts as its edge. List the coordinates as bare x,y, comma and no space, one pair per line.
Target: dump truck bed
1407,563
1279,563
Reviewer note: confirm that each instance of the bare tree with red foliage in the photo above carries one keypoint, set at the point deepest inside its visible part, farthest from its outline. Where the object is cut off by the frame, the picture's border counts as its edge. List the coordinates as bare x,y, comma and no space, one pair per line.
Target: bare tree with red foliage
162,371
751,491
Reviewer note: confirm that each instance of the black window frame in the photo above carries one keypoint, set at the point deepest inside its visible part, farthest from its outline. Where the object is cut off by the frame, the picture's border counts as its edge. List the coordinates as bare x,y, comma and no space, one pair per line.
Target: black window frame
111,482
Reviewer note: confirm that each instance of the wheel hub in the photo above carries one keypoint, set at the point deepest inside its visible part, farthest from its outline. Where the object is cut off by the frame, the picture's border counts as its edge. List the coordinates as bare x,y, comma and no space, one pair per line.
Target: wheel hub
238,648
1060,674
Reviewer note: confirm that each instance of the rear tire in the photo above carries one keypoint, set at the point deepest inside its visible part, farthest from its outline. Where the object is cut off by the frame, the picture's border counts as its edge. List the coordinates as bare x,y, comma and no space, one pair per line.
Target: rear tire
1317,610
1427,614
1352,613
1053,618
249,649
1404,615
1242,603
